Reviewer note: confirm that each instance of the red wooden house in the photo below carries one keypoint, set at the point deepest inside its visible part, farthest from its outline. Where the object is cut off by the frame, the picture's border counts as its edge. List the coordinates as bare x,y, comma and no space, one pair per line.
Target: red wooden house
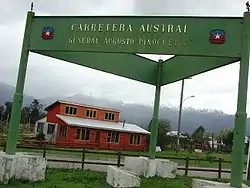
77,125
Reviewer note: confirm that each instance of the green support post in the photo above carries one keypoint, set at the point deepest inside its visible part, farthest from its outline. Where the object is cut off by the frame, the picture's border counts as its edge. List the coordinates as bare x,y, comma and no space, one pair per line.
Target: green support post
18,96
241,116
154,123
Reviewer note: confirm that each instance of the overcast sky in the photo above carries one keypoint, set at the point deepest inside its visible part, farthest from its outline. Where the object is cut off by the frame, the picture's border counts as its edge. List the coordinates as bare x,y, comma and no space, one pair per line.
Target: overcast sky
216,89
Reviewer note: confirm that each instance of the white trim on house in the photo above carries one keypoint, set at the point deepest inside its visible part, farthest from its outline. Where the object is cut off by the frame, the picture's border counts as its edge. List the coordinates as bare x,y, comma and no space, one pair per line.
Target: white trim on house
42,120
45,126
96,124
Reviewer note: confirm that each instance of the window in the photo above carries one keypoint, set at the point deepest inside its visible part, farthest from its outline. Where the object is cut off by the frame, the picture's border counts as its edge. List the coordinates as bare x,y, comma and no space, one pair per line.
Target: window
135,139
70,110
109,116
113,137
90,113
63,131
51,128
39,128
82,134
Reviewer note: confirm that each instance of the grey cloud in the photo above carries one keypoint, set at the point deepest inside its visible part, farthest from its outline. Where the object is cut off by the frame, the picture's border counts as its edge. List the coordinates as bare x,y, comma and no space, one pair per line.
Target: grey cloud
13,10
190,7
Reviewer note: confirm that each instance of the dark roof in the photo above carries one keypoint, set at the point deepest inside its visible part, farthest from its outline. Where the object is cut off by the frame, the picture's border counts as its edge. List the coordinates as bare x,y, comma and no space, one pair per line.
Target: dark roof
40,117
73,103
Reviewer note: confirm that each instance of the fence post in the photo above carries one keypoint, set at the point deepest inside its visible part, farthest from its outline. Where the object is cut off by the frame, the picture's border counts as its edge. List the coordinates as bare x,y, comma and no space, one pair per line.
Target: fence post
248,171
119,159
4,147
248,162
219,168
186,166
44,152
83,158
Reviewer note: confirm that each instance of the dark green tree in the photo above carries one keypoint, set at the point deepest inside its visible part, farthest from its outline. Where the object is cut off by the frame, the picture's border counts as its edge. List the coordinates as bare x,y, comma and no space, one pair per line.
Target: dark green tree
198,135
2,110
164,126
35,110
7,112
228,138
26,114
2,124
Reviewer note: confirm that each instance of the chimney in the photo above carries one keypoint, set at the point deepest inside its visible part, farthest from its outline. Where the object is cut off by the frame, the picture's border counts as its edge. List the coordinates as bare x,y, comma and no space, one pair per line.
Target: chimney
123,123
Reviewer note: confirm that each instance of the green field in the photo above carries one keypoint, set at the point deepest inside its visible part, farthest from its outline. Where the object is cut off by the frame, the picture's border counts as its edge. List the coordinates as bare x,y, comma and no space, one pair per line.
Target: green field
90,179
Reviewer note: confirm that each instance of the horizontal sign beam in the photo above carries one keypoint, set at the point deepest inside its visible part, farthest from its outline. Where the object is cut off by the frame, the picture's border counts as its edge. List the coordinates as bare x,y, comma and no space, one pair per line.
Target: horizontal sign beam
180,67
196,36
126,65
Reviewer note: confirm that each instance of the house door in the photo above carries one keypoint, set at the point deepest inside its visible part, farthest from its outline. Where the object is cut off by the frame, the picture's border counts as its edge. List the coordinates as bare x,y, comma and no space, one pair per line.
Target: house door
97,138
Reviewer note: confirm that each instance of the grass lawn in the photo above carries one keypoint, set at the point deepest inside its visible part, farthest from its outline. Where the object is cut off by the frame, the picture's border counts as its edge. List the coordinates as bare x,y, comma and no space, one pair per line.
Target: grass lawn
181,154
89,179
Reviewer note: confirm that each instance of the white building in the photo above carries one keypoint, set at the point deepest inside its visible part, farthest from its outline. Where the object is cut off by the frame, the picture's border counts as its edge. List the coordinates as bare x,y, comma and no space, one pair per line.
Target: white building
48,129
175,133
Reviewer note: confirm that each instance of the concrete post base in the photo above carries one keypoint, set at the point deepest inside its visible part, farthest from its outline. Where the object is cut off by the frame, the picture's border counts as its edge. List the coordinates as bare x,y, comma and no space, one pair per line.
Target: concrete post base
118,177
146,167
7,167
197,183
21,166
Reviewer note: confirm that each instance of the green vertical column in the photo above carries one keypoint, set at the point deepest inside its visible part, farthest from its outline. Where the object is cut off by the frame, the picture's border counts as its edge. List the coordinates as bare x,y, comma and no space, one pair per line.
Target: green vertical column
154,122
18,96
240,116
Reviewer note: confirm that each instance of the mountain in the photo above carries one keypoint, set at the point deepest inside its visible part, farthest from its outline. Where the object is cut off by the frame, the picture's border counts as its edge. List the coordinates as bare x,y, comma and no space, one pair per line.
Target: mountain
6,94
212,120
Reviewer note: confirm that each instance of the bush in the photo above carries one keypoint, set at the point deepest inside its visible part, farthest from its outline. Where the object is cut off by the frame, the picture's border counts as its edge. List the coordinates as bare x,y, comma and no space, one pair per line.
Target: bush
40,137
210,157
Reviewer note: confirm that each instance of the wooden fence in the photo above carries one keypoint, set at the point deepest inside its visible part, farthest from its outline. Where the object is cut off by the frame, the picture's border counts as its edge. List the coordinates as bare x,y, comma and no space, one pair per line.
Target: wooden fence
119,156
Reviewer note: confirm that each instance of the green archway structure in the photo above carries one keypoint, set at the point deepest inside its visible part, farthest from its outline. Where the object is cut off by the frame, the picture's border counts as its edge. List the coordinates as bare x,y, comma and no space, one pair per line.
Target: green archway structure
110,44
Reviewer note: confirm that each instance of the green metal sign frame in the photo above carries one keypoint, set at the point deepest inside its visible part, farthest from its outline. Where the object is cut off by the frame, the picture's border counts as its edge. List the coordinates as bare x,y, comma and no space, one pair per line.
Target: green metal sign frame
110,44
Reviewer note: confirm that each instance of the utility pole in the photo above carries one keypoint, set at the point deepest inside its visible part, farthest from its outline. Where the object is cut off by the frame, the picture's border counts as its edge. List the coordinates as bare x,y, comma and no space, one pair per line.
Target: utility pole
179,116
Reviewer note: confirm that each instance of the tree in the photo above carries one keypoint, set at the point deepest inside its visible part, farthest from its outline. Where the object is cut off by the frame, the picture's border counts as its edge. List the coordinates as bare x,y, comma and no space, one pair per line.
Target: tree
206,136
198,135
25,114
2,125
164,126
226,136
2,110
228,140
7,112
186,141
35,110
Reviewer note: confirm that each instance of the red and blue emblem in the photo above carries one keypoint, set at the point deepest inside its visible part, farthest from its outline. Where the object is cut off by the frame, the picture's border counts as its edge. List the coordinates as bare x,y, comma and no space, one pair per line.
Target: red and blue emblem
217,36
48,33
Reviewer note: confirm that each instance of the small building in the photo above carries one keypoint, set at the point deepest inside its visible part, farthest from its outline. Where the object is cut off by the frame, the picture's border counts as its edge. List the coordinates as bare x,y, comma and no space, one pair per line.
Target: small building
174,133
70,124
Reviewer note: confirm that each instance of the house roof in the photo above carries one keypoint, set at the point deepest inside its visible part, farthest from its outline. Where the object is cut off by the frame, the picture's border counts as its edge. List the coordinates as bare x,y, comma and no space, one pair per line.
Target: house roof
78,104
40,117
42,120
96,124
